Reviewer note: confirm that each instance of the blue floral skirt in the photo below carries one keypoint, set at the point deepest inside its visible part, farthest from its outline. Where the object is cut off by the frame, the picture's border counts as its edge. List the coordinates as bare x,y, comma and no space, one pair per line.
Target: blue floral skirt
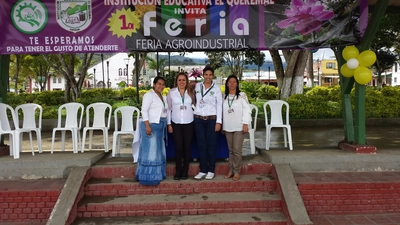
151,167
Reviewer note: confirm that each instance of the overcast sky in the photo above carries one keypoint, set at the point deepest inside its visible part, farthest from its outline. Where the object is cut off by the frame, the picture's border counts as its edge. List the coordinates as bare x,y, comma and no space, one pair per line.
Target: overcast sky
323,53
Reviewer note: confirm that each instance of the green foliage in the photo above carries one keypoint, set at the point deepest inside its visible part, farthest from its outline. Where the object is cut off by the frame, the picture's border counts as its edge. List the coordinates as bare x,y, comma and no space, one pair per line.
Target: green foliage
331,93
250,88
50,112
313,107
129,92
14,100
267,92
316,103
50,98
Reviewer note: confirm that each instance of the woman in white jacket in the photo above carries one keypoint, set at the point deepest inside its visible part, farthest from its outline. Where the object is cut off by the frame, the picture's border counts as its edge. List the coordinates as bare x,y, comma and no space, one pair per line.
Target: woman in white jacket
151,168
236,117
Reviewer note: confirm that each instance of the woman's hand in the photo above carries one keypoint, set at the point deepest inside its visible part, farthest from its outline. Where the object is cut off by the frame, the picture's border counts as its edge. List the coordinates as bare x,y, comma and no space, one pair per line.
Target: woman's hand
245,128
170,130
148,127
217,127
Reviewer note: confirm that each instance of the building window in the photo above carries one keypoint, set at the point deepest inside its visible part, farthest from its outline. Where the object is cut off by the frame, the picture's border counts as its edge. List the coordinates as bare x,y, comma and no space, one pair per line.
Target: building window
120,72
54,80
125,72
395,67
330,65
395,79
59,80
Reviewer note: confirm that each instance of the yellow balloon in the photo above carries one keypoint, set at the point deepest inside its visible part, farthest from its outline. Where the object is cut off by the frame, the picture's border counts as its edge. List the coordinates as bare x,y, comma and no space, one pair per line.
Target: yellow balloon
367,58
362,75
350,52
346,71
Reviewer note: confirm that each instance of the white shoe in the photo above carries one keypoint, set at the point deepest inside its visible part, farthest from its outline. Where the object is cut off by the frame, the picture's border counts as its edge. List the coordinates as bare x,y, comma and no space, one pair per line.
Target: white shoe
200,176
209,176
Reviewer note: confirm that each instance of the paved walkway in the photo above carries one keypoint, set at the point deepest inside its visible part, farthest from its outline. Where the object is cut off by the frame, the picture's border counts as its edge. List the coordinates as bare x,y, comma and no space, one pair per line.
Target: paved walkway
314,147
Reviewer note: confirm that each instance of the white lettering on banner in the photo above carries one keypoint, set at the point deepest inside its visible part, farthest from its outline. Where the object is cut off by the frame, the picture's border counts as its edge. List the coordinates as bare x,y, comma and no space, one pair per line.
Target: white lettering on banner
101,48
189,11
249,2
188,2
132,2
179,44
34,48
15,49
65,40
171,25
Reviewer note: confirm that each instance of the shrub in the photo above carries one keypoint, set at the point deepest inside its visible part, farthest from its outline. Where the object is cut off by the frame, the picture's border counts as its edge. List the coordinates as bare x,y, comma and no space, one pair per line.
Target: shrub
267,92
50,98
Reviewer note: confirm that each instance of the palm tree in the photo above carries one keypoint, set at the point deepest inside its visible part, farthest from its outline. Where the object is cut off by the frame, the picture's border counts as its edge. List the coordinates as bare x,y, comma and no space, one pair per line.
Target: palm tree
152,64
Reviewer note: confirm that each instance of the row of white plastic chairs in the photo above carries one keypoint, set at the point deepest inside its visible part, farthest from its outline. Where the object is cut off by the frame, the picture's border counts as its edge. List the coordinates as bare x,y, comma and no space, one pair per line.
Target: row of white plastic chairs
73,113
101,121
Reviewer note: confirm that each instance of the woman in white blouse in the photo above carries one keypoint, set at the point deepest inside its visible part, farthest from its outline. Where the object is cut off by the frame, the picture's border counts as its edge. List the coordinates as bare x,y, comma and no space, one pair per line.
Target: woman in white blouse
180,123
236,115
207,122
151,168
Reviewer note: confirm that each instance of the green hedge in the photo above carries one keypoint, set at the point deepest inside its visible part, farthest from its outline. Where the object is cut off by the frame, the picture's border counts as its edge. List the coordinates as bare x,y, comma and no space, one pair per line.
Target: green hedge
315,103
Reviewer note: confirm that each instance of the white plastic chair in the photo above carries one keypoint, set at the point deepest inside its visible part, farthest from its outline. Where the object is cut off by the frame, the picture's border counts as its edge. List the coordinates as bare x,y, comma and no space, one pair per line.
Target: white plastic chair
276,120
127,125
28,112
15,134
252,128
73,123
101,121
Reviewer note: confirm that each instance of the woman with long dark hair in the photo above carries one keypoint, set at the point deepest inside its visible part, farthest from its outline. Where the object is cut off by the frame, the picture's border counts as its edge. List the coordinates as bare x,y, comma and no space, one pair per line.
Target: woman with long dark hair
236,115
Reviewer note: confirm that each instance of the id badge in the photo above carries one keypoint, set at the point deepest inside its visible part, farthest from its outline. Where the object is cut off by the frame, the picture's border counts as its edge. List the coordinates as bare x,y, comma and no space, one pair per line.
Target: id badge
230,111
183,107
164,110
201,101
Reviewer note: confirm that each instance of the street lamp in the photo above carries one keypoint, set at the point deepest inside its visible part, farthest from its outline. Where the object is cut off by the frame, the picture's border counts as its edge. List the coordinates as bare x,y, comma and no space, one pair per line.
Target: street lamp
126,60
269,74
94,77
108,74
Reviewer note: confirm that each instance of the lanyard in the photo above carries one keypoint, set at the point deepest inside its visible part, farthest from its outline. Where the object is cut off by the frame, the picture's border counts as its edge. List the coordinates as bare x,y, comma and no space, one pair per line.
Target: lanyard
183,97
202,95
231,102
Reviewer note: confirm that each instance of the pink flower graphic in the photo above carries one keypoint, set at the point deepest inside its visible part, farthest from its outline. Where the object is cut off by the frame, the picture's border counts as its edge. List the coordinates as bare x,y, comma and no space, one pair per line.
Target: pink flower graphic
306,16
195,72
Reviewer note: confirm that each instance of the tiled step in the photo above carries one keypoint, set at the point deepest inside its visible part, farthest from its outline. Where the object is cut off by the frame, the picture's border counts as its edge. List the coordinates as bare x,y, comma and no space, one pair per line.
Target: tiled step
129,186
332,193
275,218
128,170
175,204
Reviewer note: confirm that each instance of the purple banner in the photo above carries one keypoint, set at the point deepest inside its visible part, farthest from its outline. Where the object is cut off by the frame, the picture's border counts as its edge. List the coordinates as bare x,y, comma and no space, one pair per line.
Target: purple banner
67,26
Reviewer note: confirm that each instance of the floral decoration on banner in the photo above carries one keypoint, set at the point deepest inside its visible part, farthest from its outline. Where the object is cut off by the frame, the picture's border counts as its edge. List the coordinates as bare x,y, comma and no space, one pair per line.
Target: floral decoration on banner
195,72
357,64
306,16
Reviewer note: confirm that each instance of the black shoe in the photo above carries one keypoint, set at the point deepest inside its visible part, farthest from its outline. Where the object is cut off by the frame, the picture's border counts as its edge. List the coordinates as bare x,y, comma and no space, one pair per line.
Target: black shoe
184,177
177,177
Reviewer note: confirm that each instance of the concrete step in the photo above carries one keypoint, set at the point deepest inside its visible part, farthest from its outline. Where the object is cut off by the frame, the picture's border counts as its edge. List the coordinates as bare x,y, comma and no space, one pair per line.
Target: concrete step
128,170
129,186
275,218
178,204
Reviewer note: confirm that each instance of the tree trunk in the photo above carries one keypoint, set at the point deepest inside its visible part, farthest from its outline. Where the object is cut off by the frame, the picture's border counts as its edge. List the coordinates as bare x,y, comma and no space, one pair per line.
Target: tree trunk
290,81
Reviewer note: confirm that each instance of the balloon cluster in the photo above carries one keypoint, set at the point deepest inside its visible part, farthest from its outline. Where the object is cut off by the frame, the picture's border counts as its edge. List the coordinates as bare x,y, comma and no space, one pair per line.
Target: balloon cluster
357,64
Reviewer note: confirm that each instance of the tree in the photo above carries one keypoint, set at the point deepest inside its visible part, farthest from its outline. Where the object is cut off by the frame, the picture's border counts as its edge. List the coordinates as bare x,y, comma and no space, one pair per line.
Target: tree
152,64
235,60
39,69
290,81
66,64
385,40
